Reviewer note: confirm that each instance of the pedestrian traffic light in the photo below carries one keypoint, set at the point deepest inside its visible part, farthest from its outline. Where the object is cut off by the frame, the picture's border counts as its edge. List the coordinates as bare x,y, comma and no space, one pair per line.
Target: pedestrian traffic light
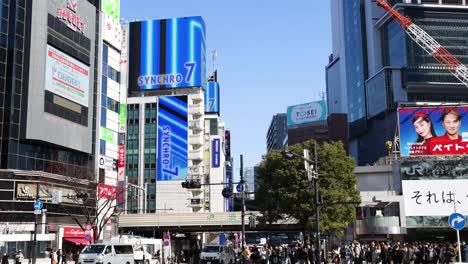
191,184
252,221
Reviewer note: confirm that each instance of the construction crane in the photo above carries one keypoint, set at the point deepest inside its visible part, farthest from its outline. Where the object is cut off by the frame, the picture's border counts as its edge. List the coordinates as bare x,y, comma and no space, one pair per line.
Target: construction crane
428,43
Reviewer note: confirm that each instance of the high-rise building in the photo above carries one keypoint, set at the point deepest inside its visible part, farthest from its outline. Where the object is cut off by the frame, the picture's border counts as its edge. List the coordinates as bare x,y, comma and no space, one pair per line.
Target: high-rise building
375,66
49,75
277,132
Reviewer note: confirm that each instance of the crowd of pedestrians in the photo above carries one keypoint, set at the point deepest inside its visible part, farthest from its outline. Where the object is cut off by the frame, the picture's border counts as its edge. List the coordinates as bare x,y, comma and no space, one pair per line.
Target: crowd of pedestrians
360,253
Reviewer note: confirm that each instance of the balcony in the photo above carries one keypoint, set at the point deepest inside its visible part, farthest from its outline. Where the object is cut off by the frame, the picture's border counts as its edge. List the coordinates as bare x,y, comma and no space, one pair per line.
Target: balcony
196,125
195,154
195,171
196,109
197,98
196,140
382,225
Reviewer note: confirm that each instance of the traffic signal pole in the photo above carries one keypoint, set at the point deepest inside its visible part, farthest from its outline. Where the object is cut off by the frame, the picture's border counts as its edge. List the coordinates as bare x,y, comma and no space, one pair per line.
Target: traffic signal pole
243,202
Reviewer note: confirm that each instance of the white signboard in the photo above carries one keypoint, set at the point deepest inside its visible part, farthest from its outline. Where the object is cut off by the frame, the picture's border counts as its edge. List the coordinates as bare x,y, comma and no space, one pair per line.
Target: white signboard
106,163
112,31
67,77
306,113
435,197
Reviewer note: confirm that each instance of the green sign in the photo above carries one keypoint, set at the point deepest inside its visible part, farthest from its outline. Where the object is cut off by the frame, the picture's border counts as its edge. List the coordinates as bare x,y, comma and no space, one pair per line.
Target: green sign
112,8
123,114
107,135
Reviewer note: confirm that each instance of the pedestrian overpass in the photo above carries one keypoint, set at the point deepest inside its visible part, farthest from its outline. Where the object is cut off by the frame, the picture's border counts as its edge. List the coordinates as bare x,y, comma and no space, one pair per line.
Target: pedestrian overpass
196,222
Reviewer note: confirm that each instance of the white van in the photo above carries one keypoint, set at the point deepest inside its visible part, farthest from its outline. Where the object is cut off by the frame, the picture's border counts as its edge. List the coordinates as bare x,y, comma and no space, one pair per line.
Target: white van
216,254
107,254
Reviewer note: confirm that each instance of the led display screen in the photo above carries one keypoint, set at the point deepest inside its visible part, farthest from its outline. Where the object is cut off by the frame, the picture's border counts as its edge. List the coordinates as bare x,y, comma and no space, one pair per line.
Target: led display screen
212,97
306,113
433,131
167,53
172,138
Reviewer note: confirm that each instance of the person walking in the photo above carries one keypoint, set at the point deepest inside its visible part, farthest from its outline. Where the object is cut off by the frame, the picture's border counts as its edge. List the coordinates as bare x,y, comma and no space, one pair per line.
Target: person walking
464,251
19,258
5,258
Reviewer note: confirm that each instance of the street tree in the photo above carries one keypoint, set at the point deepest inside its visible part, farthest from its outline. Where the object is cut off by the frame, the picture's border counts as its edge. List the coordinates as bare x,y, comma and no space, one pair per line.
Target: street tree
284,190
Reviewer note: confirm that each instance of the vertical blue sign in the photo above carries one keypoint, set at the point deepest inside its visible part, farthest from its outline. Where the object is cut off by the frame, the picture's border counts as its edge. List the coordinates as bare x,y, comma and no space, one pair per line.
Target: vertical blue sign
172,138
215,153
212,97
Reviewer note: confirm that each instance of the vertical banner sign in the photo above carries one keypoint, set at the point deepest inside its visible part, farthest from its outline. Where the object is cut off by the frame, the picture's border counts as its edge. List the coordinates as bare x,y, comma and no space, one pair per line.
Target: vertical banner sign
212,97
120,194
106,191
121,157
215,153
172,138
123,118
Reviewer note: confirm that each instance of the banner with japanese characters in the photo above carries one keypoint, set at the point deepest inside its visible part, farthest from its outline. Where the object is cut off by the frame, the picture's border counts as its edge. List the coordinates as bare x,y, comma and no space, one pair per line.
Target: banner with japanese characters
433,131
432,188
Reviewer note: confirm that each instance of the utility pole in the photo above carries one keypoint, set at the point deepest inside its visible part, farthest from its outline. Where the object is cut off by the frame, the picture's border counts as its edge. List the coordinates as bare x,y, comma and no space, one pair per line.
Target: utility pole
243,202
34,247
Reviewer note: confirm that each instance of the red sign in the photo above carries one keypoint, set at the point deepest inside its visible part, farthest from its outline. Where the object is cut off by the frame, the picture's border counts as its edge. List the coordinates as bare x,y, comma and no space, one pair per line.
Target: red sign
73,232
106,191
69,15
121,156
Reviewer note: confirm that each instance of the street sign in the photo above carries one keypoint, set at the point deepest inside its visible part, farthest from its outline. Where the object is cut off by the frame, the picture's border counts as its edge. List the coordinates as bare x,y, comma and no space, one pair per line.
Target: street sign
37,211
457,221
38,205
88,238
88,227
240,188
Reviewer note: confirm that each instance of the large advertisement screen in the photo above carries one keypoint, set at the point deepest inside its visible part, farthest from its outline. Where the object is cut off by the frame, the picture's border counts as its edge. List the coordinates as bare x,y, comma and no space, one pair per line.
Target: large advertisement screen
306,113
168,53
172,138
67,77
433,130
212,97
432,188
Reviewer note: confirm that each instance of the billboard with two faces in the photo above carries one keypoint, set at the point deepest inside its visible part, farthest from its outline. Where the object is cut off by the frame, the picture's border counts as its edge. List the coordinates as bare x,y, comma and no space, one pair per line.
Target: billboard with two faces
433,131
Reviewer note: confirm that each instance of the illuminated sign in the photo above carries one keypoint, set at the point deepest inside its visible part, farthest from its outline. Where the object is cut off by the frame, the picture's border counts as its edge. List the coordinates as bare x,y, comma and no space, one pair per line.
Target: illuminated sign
168,53
306,113
212,97
69,15
172,138
121,156
433,131
67,77
73,232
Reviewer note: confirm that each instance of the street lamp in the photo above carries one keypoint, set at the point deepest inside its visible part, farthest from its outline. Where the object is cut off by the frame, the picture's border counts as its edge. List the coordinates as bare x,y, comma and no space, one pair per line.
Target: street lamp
312,174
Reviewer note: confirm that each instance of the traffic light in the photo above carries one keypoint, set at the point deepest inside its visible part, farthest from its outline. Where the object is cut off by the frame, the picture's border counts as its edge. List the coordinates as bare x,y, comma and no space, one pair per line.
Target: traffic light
82,195
191,184
227,192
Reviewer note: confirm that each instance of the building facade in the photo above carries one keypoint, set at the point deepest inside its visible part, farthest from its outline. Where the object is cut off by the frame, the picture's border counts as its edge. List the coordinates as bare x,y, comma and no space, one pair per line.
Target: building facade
49,57
375,66
277,131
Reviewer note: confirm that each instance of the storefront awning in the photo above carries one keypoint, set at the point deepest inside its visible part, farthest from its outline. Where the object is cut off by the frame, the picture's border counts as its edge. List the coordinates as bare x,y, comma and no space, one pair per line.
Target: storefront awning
77,240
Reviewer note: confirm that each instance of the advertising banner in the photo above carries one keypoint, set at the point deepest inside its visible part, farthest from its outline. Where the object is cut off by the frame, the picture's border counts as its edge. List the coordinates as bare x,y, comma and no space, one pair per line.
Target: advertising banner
306,113
212,97
112,31
112,8
121,160
120,194
168,53
433,130
215,152
435,197
172,138
73,232
108,135
107,163
106,191
67,77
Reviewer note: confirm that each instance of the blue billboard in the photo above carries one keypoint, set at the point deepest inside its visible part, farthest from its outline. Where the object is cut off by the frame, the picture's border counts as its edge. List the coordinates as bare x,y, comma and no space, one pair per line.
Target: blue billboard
172,138
212,97
215,153
167,53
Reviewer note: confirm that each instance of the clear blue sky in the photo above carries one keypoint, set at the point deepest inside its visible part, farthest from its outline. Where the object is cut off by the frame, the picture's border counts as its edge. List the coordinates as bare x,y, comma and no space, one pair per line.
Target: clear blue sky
271,54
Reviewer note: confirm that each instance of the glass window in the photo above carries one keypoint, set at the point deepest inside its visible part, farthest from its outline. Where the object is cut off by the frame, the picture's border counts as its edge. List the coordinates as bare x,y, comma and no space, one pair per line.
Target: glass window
103,117
102,147
105,53
104,85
